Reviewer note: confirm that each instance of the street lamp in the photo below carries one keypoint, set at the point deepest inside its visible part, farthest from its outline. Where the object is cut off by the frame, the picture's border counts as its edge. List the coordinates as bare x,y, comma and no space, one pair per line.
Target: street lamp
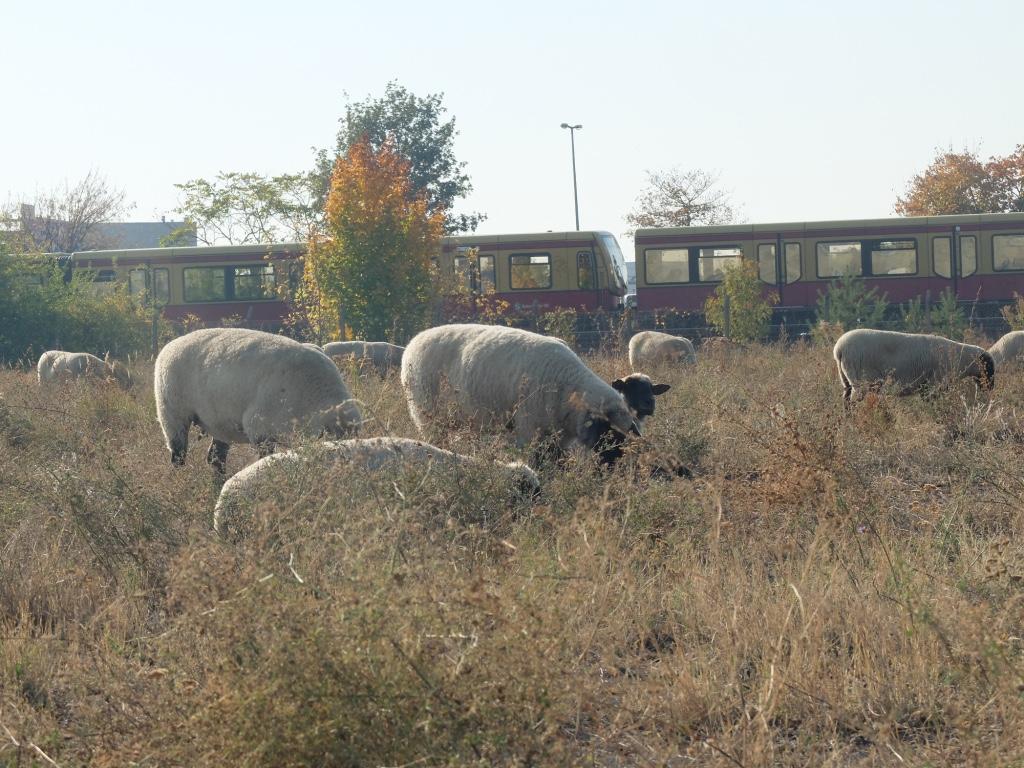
575,196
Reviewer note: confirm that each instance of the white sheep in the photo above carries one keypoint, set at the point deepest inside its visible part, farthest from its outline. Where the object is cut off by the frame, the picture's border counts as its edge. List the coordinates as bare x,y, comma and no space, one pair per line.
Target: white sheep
492,378
56,365
240,385
639,392
869,357
1009,350
259,480
381,355
650,349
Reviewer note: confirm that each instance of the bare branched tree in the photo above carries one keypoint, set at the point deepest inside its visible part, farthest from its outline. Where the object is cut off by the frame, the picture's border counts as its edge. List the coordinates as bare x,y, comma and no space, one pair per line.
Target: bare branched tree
66,219
677,198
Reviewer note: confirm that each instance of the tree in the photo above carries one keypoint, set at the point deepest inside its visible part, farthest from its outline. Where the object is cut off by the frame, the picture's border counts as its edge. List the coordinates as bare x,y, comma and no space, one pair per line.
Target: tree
373,265
959,182
66,219
677,198
750,310
416,130
247,208
849,303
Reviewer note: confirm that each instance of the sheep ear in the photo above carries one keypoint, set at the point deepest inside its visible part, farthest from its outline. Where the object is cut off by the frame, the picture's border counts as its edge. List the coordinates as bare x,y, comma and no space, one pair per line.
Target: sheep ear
661,389
619,385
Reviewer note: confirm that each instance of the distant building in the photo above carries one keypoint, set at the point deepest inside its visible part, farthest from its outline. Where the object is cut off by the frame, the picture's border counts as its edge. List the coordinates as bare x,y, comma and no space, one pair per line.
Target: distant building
631,276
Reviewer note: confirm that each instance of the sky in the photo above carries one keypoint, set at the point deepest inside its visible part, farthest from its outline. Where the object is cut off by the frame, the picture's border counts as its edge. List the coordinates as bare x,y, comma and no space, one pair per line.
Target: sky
806,110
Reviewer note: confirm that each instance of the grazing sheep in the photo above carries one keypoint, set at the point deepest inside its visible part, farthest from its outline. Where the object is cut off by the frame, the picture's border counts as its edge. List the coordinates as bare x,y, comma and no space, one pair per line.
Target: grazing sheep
241,386
379,354
650,349
1009,349
64,366
377,453
913,361
493,377
639,392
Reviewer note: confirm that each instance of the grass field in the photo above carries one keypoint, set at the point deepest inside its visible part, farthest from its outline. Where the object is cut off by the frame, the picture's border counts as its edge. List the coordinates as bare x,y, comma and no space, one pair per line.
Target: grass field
826,590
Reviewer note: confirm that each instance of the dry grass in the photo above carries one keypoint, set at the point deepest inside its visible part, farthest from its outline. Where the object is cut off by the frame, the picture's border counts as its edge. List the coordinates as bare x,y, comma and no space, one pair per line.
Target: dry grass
826,590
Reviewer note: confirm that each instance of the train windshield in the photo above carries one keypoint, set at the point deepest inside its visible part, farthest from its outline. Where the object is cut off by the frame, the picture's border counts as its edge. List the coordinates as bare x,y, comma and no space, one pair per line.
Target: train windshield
618,271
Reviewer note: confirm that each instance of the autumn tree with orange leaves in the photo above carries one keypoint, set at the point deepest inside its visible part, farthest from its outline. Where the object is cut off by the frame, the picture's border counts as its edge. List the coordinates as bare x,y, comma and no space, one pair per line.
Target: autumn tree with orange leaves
371,270
960,182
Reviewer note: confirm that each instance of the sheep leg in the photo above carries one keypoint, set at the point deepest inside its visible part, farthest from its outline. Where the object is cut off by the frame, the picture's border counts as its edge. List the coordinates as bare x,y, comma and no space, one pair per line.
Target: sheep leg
179,446
217,456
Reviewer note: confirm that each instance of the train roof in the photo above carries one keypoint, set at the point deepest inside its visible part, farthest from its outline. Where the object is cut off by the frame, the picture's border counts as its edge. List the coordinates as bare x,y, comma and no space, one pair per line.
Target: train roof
864,226
185,253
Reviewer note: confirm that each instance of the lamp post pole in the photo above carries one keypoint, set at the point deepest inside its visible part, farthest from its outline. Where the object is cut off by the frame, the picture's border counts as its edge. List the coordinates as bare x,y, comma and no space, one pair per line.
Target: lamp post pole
575,195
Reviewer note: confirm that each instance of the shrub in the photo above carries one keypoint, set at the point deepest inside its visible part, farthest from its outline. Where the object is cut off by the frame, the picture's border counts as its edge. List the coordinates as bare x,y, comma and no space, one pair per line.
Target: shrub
851,304
750,309
560,323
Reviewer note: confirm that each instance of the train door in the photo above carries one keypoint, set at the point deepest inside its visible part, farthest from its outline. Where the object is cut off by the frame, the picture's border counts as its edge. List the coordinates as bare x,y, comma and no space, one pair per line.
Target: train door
778,262
588,278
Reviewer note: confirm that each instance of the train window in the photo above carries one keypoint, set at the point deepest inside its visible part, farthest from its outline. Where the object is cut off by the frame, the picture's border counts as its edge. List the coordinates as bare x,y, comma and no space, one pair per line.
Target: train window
714,260
839,259
464,272
161,289
894,257
205,284
792,251
585,271
254,282
487,273
530,271
766,263
105,276
1007,252
667,266
968,256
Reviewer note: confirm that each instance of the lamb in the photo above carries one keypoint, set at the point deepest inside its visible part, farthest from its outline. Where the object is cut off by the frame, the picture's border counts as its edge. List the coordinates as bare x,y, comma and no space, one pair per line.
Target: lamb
1009,349
240,385
639,392
258,481
650,349
493,377
56,365
381,355
913,361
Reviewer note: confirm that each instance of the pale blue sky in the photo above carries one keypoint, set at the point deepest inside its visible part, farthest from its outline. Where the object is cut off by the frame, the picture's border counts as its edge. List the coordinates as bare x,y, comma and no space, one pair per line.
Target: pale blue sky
808,110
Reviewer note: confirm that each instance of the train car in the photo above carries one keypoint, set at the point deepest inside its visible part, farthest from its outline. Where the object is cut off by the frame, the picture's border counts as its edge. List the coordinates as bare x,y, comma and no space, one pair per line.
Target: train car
903,257
211,283
543,271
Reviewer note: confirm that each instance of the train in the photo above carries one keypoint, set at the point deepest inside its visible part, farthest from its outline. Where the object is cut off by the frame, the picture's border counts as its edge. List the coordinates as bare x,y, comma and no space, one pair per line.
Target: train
979,257
535,272
904,258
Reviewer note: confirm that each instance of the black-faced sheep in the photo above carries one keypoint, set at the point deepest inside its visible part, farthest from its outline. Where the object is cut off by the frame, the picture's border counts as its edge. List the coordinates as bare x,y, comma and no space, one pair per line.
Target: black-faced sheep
639,392
651,349
1009,350
380,355
913,361
374,454
242,386
492,378
56,365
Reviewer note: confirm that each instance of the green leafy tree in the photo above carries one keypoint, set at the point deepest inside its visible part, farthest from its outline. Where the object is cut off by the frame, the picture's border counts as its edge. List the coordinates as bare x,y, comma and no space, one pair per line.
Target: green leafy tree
415,128
750,309
372,272
849,303
248,208
947,316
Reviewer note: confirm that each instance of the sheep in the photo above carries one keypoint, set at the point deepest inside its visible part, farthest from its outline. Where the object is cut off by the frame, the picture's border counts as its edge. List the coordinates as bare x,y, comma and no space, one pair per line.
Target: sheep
913,361
240,385
56,365
1009,349
381,355
371,454
650,349
639,392
494,377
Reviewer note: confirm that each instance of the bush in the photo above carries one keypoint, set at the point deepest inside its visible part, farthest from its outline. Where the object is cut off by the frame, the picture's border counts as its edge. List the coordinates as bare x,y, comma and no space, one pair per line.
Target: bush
560,323
851,304
750,310
1014,313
